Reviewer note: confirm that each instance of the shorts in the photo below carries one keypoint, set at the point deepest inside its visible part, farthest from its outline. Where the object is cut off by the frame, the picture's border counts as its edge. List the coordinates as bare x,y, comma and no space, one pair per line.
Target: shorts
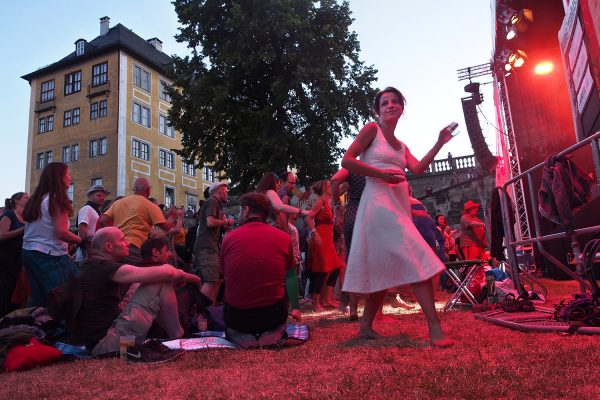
206,264
135,320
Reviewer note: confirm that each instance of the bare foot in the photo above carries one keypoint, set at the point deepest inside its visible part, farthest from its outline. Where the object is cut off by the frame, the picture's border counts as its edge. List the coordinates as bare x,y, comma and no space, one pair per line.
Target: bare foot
439,338
368,333
297,315
343,308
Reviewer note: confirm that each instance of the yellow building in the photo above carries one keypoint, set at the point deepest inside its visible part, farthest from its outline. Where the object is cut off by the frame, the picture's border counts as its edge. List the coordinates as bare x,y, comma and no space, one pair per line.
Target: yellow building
102,110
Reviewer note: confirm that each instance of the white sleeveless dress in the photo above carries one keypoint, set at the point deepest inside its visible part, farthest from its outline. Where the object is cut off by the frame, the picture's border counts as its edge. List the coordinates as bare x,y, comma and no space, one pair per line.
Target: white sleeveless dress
387,250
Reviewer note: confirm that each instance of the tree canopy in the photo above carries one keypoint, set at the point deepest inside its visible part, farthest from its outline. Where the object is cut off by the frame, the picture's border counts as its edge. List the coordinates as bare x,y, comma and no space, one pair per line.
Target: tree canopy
269,85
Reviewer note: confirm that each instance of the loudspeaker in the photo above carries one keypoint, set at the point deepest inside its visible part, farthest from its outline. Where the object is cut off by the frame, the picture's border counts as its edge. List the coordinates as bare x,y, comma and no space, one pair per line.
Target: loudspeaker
482,153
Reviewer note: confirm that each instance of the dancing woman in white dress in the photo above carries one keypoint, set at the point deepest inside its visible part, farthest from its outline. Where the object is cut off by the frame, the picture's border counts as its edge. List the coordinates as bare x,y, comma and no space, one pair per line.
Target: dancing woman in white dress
387,250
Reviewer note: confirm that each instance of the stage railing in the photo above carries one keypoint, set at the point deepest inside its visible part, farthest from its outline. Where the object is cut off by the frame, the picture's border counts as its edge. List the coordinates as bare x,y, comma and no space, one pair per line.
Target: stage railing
538,239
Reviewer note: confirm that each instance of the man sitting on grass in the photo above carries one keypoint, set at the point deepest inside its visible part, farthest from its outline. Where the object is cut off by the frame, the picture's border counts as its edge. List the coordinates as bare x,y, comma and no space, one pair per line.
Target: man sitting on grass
100,322
254,260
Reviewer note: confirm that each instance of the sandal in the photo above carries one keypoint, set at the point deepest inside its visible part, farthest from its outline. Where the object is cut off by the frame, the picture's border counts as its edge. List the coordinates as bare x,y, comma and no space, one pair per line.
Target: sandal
525,304
510,304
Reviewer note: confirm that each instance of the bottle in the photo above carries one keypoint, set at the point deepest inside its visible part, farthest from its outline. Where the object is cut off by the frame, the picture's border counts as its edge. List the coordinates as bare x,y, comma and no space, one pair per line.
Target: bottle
202,323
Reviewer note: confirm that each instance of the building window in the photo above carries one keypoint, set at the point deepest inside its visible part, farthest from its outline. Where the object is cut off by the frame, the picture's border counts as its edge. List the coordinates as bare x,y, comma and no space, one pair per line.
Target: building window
93,149
162,92
41,125
141,115
100,74
140,149
72,83
102,145
47,91
188,168
169,197
141,78
76,116
208,174
66,154
50,122
71,191
48,157
166,159
75,152
39,161
80,47
97,182
164,126
67,118
103,108
93,111
191,202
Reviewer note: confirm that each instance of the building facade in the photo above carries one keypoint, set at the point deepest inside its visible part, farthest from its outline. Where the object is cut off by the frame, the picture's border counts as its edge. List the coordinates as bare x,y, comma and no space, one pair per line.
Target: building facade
103,111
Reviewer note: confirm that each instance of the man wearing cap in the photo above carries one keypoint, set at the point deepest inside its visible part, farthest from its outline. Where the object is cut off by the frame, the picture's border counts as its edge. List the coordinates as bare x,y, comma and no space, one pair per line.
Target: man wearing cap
88,217
472,239
135,216
206,248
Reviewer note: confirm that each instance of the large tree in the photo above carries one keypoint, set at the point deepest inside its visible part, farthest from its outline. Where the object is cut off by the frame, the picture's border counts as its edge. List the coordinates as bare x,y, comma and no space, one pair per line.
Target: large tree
269,84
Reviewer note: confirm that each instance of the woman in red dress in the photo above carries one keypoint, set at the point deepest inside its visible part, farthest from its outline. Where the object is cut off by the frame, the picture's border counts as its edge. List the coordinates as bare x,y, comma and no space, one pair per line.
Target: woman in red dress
324,259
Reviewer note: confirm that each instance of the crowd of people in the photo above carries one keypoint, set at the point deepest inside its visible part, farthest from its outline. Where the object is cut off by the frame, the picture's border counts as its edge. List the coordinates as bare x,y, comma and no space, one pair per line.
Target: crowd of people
131,258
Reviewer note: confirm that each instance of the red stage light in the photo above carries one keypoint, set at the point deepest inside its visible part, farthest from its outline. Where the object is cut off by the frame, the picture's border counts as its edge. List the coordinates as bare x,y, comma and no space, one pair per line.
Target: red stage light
544,68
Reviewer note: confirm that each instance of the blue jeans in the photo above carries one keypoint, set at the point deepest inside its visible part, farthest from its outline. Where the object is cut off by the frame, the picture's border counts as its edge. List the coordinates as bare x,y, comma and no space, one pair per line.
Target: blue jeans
45,272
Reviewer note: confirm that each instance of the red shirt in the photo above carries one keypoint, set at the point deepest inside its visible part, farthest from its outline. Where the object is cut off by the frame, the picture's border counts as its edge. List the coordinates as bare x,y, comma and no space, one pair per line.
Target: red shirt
254,260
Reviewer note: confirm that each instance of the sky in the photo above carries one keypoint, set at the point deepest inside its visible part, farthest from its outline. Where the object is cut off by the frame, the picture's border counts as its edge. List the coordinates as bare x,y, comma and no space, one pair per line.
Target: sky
416,46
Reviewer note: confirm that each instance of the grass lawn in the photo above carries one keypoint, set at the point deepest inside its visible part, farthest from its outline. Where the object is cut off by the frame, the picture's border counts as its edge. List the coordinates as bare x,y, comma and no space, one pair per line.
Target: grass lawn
488,362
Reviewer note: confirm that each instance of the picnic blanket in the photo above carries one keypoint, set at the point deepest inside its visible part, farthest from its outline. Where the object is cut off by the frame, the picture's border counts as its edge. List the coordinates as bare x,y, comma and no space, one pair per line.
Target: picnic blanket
296,335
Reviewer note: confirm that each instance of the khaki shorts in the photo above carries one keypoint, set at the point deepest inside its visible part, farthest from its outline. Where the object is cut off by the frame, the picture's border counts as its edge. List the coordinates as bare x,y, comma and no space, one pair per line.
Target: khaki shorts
136,320
207,265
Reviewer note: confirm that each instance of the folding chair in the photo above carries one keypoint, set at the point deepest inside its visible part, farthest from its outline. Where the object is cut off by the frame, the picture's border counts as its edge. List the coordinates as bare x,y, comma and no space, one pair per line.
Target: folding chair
461,273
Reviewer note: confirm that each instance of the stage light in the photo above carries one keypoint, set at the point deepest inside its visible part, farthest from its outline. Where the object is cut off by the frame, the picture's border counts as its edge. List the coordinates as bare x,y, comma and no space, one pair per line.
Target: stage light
520,18
510,33
544,68
516,59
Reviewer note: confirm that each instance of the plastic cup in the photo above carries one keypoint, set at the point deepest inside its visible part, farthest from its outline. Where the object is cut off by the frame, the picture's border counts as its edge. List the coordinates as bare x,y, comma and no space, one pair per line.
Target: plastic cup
125,342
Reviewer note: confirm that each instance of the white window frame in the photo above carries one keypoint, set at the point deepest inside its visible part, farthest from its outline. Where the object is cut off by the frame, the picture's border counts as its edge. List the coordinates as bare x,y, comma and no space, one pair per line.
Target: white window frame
66,154
142,78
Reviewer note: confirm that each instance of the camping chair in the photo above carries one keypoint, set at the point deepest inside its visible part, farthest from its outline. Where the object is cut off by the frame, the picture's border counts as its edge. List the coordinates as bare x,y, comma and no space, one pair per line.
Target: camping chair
461,273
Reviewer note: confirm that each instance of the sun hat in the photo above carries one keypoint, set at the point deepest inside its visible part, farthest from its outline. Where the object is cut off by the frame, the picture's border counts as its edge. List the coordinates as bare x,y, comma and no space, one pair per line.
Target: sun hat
470,204
215,186
97,188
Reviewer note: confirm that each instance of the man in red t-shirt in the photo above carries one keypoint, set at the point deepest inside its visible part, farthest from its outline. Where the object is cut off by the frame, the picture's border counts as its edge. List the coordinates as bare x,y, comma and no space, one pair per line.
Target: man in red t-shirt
254,260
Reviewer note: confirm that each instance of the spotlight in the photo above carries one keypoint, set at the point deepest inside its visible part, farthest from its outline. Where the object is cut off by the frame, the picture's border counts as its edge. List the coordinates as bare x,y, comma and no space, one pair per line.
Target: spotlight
516,59
520,19
544,68
510,33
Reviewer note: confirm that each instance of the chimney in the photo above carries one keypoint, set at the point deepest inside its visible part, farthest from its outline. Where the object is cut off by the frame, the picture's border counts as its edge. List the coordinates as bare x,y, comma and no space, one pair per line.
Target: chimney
104,25
156,43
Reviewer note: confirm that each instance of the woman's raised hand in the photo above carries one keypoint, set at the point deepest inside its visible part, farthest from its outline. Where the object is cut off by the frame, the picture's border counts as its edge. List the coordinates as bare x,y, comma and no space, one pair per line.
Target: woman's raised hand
446,133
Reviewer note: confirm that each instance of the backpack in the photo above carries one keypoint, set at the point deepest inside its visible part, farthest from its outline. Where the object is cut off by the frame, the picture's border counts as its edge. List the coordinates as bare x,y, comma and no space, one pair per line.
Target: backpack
64,302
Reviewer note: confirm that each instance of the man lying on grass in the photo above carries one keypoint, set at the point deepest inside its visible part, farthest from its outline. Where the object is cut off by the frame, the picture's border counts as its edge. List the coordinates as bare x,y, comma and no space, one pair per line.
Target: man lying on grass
100,322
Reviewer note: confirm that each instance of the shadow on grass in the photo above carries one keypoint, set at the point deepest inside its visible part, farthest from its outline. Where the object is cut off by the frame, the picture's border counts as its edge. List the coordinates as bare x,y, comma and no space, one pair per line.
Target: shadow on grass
396,341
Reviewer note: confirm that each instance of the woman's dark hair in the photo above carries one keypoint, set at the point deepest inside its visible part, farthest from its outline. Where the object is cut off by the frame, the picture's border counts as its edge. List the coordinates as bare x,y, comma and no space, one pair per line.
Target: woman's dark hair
388,89
51,184
319,186
257,202
267,182
9,204
437,219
